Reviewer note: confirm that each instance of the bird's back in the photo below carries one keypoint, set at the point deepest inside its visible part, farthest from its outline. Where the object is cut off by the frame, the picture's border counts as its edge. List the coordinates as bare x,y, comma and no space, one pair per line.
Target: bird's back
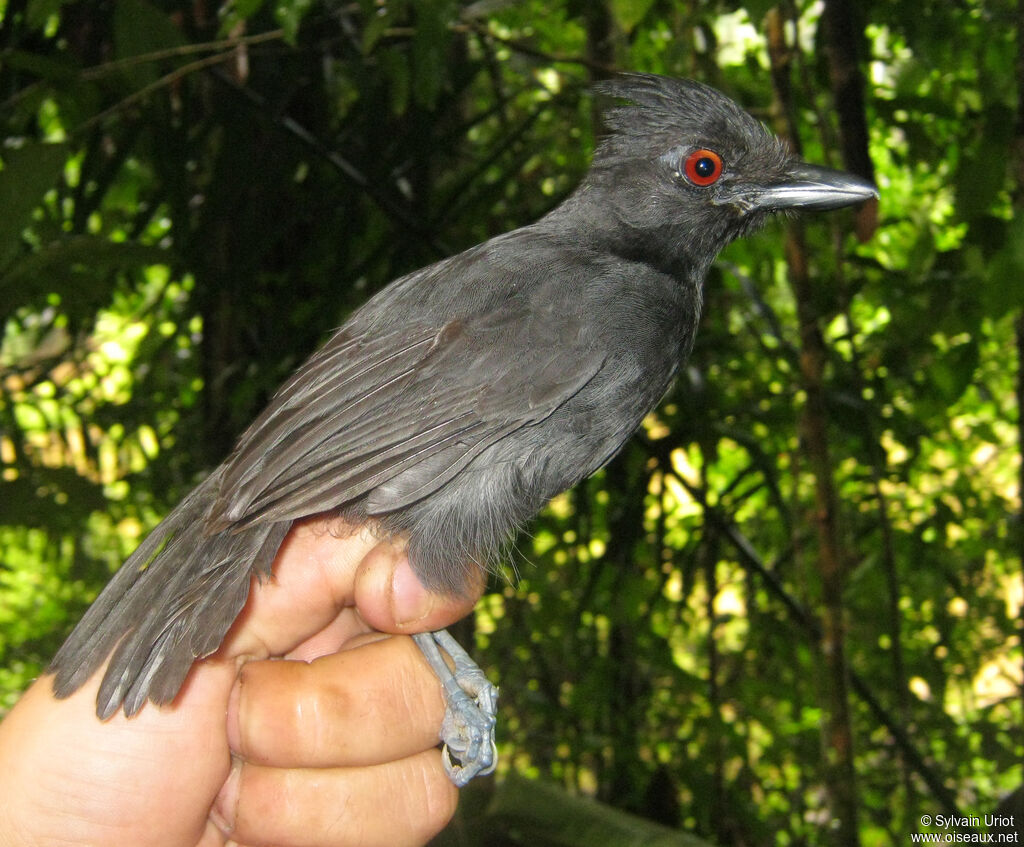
459,400
576,348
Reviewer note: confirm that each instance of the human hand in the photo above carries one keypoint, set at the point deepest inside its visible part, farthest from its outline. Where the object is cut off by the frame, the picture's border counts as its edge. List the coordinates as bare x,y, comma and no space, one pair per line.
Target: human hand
335,747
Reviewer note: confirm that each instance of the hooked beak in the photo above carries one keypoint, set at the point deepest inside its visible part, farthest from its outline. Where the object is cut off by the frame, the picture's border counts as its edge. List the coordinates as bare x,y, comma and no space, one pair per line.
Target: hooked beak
808,187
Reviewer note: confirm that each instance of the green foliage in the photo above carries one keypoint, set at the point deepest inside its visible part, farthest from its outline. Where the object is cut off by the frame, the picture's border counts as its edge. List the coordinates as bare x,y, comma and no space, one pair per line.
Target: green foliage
28,171
529,812
191,203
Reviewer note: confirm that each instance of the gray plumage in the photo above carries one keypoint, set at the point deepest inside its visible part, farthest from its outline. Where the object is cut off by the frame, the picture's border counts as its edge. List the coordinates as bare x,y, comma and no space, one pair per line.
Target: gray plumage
463,396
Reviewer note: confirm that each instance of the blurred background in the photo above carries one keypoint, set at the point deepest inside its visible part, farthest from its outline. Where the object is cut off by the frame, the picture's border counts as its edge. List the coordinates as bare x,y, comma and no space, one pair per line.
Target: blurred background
791,611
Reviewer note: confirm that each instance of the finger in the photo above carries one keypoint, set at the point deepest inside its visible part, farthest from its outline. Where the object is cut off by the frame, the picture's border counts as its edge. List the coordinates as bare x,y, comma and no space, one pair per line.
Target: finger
339,633
377,703
391,598
324,567
400,803
72,771
312,581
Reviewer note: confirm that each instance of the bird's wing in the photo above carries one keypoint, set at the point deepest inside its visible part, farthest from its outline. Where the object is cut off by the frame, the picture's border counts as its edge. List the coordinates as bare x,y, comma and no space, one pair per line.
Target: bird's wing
421,403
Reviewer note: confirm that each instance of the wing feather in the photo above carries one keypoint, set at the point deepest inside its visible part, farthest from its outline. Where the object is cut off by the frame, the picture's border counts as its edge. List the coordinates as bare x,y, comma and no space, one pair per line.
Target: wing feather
395,416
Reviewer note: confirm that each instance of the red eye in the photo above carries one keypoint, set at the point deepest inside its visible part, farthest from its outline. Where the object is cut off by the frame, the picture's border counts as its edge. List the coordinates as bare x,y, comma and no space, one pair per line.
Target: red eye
703,167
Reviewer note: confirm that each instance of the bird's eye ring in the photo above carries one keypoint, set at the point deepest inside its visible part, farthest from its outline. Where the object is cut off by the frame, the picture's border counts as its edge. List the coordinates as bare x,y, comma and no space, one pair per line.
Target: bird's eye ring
703,167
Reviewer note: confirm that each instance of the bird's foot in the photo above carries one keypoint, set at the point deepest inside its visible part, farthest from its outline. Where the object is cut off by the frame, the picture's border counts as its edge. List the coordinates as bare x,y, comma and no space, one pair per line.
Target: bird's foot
467,731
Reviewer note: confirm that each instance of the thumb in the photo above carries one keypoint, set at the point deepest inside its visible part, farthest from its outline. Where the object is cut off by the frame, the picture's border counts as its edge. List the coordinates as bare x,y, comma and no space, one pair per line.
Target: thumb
391,598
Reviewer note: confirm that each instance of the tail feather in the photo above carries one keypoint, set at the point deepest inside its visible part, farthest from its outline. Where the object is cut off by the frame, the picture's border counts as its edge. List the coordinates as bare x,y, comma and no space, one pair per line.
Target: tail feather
171,602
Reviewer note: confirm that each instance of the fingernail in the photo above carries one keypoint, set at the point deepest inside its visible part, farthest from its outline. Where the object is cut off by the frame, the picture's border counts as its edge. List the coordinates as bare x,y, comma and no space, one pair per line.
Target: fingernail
410,601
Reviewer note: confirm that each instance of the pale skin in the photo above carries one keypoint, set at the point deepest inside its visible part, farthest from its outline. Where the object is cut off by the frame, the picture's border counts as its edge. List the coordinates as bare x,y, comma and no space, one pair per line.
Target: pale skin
334,746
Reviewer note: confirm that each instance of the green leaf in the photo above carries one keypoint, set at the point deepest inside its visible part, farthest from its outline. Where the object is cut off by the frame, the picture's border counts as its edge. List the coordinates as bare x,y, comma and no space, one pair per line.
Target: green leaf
429,50
238,13
38,12
56,69
955,370
1004,284
80,267
29,171
30,500
629,13
139,29
378,19
289,17
396,71
982,173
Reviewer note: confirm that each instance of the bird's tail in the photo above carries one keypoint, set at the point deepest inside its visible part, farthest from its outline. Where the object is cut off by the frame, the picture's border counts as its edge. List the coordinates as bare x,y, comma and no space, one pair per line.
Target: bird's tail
171,602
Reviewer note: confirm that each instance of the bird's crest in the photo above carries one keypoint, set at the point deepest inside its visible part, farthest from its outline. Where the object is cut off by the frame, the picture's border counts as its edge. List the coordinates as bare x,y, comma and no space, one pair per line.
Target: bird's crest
661,112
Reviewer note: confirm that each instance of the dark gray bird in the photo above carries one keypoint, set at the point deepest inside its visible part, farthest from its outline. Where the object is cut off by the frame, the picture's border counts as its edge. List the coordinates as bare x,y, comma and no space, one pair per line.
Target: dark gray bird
462,397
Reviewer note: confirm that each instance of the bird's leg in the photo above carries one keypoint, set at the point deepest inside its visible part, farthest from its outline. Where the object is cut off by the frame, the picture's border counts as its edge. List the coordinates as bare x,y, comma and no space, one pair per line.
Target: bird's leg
467,731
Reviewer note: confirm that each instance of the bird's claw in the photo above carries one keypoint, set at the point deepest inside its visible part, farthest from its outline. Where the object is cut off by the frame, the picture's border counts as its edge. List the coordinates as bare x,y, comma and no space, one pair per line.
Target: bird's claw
468,727
467,731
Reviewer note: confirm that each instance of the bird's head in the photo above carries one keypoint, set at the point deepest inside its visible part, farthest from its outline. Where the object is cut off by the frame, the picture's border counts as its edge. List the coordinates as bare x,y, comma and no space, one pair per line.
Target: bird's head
683,171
